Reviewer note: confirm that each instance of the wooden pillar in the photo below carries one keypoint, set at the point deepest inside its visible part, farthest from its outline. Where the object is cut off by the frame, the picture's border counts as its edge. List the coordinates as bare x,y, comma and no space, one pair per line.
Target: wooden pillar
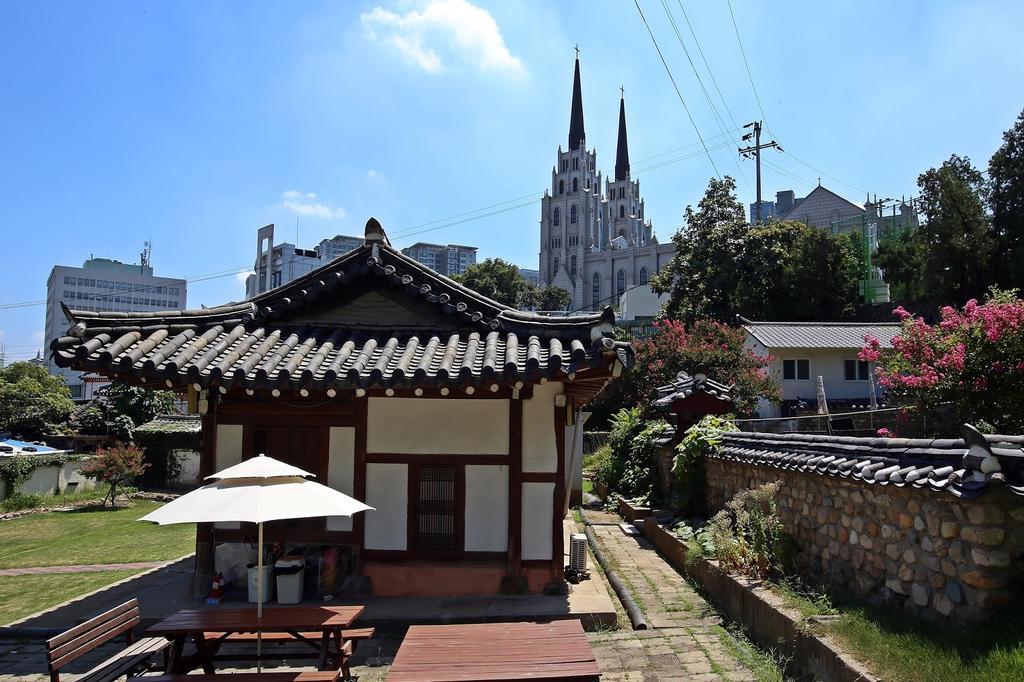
557,540
359,479
204,562
515,487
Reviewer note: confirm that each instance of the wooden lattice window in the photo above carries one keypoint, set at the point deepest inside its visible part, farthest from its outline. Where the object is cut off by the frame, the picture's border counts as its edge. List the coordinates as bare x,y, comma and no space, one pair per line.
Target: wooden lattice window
436,509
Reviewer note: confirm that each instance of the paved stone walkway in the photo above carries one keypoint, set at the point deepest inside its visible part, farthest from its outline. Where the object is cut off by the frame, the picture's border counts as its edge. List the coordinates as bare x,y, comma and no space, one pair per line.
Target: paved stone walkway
686,640
82,568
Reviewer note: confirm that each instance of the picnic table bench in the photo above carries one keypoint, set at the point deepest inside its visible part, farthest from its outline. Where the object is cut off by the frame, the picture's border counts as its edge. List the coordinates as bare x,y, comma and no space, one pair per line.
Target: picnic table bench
246,677
81,639
480,652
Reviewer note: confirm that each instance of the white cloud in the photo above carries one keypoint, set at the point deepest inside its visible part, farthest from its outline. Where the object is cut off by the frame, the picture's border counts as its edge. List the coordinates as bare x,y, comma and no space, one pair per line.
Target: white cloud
242,276
458,27
306,204
374,175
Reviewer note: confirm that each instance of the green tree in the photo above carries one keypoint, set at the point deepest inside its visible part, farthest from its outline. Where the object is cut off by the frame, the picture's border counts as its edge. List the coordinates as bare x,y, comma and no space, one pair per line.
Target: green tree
32,401
899,257
115,466
550,297
1006,201
139,404
702,275
499,280
956,243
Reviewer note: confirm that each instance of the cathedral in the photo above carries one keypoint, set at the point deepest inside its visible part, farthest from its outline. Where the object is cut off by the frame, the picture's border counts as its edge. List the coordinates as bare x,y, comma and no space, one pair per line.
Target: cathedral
594,240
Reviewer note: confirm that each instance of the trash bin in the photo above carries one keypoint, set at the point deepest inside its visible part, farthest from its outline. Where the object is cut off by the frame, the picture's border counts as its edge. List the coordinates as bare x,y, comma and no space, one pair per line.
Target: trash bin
290,572
267,584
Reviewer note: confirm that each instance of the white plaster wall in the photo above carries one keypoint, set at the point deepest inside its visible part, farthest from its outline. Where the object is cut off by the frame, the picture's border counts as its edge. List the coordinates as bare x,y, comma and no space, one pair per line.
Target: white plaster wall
229,453
188,467
229,446
825,362
341,463
42,481
540,451
538,512
435,426
387,491
486,508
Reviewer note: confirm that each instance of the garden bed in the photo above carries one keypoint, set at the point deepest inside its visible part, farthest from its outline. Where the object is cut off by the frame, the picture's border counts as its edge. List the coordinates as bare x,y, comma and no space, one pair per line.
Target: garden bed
761,613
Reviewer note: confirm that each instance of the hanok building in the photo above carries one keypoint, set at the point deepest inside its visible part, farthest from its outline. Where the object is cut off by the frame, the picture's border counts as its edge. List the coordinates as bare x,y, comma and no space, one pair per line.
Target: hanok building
454,416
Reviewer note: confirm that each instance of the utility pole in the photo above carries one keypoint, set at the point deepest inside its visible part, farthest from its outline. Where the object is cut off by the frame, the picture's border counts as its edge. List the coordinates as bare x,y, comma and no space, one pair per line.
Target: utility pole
755,151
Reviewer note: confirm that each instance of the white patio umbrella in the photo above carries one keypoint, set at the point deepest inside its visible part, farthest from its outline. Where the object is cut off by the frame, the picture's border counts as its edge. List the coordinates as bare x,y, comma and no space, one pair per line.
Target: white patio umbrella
257,490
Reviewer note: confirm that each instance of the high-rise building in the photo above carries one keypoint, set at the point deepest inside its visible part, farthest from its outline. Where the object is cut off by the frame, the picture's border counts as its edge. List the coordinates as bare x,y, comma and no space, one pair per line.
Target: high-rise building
105,285
448,259
594,239
278,264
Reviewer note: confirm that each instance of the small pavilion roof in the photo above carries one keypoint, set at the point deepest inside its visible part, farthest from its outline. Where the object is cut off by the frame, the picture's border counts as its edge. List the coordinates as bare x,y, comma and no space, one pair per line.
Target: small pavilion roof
686,385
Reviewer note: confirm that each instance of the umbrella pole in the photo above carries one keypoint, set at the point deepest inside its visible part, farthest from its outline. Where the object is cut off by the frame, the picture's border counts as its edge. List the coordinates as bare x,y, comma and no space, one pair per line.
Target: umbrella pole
259,596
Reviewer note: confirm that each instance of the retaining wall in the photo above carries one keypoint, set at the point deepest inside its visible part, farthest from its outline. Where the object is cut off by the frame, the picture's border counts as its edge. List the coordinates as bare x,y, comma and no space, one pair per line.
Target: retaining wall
924,551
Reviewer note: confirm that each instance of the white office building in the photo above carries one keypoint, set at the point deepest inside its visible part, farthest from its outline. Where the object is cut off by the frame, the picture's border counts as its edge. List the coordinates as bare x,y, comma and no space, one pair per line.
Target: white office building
278,264
105,285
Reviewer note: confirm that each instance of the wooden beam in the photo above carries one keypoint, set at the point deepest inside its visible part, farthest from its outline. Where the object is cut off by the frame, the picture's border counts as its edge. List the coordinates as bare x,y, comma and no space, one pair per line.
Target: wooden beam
558,542
515,487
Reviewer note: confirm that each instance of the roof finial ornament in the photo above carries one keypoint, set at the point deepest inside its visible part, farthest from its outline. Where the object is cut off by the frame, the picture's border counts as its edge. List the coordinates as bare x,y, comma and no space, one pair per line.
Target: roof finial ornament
375,233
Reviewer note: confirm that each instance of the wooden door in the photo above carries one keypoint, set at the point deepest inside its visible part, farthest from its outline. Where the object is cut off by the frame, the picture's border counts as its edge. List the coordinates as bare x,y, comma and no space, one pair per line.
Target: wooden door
301,446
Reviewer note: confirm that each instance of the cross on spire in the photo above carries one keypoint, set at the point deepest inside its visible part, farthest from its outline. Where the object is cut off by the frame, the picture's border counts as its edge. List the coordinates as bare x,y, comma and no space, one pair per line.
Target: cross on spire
622,90
577,48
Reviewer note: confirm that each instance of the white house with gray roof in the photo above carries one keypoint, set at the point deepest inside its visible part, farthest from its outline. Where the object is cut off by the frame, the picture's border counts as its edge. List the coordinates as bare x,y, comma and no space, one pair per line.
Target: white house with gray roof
802,351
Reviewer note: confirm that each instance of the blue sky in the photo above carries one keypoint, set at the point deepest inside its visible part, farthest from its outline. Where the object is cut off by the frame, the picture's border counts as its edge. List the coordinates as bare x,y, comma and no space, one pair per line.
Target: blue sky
193,123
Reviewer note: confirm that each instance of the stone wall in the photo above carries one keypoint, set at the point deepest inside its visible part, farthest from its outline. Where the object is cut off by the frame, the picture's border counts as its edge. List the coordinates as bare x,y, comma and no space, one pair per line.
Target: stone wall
928,552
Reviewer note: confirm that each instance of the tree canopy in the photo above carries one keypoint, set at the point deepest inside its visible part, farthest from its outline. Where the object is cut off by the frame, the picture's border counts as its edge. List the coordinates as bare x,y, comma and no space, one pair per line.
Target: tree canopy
723,266
502,281
32,401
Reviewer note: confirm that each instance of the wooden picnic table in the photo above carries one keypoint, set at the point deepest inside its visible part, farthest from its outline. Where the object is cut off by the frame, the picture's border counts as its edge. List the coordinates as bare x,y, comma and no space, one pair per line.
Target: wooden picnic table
558,650
329,621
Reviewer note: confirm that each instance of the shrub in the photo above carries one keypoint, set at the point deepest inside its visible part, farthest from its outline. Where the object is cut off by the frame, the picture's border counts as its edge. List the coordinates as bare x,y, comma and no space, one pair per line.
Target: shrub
115,466
971,361
630,467
599,463
747,536
688,465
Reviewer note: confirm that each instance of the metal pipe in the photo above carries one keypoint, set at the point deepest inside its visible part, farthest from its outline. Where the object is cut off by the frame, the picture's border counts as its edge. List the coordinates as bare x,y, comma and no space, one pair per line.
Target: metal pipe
636,616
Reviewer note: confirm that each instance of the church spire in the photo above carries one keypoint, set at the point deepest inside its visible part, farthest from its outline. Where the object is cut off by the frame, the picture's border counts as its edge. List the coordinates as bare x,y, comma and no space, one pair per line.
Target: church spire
622,151
576,131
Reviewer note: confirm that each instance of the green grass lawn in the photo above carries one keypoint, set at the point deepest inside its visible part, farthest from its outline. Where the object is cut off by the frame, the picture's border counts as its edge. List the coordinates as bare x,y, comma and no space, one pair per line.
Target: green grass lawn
898,647
23,595
91,536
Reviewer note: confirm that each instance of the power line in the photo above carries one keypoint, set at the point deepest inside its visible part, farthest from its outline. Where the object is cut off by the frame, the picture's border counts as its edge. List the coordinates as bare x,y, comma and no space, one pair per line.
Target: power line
832,177
678,93
707,96
707,65
743,53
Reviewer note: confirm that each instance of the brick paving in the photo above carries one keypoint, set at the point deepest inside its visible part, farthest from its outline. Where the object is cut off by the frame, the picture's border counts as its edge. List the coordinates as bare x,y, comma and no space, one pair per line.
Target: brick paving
82,568
684,642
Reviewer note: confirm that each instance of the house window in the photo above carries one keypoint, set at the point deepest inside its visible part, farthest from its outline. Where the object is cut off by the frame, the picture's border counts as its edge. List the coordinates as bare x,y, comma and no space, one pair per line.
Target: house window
575,184
595,292
855,370
556,217
620,283
435,507
275,279
796,370
572,214
644,277
622,210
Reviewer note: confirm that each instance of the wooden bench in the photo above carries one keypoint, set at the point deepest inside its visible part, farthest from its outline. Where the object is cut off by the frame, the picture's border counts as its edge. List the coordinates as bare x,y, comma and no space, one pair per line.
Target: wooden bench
245,677
81,639
351,637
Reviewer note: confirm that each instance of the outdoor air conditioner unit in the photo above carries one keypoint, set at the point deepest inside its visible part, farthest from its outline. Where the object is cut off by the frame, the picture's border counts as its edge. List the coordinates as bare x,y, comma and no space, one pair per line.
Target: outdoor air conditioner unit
578,552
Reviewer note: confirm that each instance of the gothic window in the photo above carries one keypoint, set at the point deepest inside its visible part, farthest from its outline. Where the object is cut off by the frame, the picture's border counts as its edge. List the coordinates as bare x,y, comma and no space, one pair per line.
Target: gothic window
596,290
561,186
575,164
622,210
575,184
620,283
644,278
587,184
572,266
556,217
565,164
554,269
572,214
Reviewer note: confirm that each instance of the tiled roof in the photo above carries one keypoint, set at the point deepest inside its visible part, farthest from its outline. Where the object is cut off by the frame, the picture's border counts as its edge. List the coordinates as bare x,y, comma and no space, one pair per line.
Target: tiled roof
961,468
840,335
685,385
172,423
422,329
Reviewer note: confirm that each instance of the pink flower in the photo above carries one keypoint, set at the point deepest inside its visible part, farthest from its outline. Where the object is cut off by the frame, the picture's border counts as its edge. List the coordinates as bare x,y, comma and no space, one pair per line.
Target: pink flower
886,433
901,313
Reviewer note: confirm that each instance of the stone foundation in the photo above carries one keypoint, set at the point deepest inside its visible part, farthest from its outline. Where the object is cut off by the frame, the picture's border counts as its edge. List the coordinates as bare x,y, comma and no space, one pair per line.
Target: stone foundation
928,552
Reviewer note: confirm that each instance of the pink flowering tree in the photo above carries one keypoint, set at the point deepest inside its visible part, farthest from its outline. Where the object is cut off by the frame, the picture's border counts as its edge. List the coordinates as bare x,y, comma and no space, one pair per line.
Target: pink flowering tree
713,346
971,363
